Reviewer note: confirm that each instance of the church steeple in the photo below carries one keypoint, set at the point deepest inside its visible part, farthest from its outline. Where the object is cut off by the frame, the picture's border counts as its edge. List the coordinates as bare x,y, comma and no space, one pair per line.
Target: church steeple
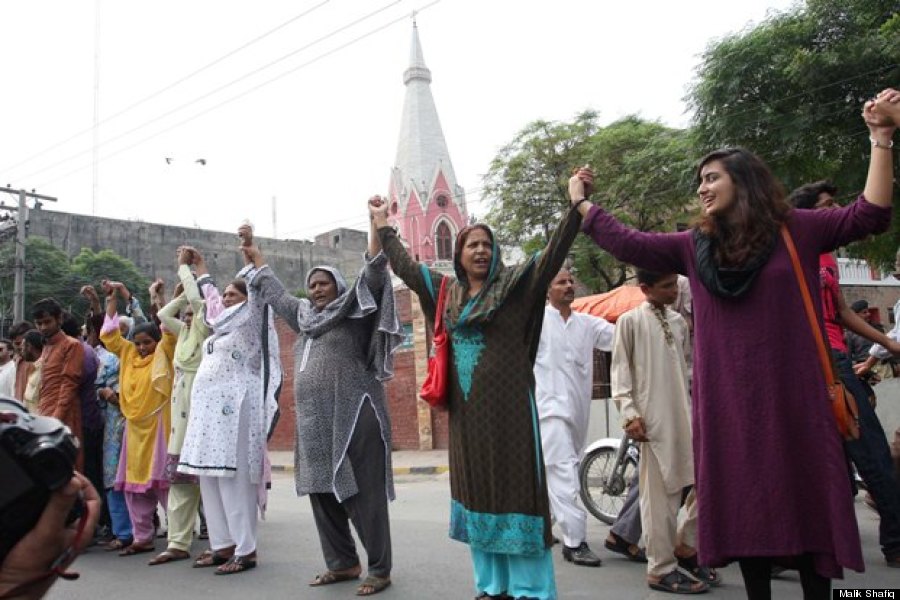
423,190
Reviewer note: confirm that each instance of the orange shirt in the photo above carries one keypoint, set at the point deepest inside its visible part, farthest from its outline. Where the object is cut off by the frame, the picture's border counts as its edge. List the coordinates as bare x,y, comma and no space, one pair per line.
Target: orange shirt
63,359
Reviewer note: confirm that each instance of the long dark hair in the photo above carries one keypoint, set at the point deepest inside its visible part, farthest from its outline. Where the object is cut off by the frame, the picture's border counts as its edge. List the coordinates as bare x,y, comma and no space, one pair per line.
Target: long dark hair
759,208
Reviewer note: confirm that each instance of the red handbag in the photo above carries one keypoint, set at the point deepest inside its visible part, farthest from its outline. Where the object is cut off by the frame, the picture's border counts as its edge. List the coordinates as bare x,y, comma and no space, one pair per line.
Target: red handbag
435,389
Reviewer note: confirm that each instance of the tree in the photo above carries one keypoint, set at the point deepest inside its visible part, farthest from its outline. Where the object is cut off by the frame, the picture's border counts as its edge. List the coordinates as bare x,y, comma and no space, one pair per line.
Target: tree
643,173
90,268
791,90
47,274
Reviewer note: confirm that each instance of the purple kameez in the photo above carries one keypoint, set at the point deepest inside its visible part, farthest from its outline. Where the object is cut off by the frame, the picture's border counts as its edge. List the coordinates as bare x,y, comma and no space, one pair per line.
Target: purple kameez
770,468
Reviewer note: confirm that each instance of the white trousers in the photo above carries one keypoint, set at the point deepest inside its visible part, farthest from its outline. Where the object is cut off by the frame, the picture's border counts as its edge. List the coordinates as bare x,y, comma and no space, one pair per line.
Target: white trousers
659,514
561,465
230,503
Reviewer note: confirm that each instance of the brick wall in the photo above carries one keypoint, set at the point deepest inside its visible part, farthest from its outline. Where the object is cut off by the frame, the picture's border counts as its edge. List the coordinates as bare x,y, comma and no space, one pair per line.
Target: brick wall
402,392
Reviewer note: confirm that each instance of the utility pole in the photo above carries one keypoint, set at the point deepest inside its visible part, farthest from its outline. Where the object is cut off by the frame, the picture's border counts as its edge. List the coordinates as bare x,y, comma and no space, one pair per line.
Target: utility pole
21,233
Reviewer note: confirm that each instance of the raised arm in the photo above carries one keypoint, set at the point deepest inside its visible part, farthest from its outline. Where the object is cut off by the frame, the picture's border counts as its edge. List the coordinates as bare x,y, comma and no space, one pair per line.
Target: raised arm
554,254
109,333
271,290
665,252
881,116
421,280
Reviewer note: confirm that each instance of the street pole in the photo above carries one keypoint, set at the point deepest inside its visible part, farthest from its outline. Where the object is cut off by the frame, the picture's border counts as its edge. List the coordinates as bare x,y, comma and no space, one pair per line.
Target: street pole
21,234
19,266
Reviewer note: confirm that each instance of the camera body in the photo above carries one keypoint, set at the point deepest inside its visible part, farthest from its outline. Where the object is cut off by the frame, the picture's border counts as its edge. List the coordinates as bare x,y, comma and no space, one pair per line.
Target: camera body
37,457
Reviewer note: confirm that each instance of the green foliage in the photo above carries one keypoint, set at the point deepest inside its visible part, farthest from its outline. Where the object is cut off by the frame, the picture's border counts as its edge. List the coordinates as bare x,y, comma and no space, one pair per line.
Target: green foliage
643,176
791,90
50,273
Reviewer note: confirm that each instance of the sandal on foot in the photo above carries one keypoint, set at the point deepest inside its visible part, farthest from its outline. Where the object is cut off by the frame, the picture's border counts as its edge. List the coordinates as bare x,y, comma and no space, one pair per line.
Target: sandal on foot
678,583
377,584
117,544
210,558
329,577
237,564
169,555
619,545
136,548
698,572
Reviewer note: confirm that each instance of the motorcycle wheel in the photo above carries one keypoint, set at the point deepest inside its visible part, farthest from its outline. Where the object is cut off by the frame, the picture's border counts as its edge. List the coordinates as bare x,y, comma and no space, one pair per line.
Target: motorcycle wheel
602,500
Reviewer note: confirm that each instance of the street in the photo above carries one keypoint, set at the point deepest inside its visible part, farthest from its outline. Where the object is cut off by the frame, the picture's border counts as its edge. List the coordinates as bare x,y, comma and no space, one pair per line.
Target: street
426,562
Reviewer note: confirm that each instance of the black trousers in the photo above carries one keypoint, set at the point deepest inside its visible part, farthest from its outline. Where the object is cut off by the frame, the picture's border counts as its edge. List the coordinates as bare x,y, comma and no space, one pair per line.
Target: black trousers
367,509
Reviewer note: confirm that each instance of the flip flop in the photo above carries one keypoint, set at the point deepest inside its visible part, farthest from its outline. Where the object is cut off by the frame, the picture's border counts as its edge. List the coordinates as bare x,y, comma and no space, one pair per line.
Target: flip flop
329,577
117,545
169,555
678,583
237,564
378,584
136,548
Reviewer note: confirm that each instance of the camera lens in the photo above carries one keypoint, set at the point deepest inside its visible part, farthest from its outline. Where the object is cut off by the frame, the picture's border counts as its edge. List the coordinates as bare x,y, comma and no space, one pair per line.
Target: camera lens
51,462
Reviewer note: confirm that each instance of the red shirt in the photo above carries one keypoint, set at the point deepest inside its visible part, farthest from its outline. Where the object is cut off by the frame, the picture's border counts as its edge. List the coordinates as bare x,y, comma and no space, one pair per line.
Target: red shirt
830,281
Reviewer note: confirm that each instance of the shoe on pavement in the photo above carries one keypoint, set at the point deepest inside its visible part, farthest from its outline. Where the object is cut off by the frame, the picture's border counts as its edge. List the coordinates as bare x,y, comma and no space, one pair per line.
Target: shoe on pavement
582,556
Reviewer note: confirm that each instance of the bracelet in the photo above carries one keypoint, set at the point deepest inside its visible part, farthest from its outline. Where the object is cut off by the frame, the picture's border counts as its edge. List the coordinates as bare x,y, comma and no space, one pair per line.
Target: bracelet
877,144
577,204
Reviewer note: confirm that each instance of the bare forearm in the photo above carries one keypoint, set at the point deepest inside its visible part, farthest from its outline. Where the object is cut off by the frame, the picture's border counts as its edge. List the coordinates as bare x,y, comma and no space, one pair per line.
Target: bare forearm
858,325
880,180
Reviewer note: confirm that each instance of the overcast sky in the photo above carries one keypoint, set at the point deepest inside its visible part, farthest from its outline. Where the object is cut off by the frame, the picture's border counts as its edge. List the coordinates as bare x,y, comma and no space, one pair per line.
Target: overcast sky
317,130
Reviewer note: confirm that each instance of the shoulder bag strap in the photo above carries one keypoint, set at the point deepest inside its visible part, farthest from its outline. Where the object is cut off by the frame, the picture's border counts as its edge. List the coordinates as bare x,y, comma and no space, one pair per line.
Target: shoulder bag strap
824,355
439,308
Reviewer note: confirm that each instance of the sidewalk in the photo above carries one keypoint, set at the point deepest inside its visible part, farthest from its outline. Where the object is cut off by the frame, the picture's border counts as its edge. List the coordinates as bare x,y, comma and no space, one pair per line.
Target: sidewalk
406,462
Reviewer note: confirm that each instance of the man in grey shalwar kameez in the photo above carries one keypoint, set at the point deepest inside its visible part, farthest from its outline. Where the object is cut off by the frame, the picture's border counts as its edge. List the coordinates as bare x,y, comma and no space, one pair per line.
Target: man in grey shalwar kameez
343,444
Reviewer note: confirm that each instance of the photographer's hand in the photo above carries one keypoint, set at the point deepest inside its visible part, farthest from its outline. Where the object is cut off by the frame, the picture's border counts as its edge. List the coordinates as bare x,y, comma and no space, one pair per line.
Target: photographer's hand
33,564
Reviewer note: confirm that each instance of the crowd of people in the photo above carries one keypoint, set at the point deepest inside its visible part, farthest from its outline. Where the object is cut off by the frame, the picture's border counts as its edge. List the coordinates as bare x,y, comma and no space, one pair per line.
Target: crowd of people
173,408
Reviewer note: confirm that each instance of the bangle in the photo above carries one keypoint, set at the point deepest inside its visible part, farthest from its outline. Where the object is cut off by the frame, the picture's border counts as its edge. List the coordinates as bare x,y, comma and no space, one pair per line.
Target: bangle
577,204
877,144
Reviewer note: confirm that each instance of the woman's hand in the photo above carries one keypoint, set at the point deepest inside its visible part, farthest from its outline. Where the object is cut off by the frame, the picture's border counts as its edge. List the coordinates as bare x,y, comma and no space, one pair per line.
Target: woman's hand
253,255
581,184
882,115
378,209
185,255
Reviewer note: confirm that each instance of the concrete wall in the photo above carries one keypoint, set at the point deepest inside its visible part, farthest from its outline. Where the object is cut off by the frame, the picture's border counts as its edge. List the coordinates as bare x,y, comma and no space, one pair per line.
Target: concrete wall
151,246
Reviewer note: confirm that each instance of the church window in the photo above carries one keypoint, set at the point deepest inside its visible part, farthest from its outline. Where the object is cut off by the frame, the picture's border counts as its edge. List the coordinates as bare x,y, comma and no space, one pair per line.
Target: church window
443,242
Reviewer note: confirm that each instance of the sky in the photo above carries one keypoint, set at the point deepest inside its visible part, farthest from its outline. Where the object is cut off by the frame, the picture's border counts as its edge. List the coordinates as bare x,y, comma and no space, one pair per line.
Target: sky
300,101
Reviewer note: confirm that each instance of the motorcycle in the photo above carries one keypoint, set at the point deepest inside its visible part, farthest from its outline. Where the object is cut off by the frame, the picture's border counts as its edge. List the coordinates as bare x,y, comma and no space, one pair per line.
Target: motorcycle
607,469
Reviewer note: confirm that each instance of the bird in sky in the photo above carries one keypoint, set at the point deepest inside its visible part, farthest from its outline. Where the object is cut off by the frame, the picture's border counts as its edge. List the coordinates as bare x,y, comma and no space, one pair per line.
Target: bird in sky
169,160
202,161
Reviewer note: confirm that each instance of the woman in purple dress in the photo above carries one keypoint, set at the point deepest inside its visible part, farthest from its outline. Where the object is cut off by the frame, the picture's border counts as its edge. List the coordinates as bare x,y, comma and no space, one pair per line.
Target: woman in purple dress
772,484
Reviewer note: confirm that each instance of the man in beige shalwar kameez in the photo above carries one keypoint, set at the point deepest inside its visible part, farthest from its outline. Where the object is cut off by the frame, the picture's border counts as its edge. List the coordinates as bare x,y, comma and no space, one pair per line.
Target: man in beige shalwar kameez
650,384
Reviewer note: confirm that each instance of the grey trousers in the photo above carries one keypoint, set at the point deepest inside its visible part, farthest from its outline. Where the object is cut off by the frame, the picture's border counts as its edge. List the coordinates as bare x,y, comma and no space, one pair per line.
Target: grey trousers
367,509
628,524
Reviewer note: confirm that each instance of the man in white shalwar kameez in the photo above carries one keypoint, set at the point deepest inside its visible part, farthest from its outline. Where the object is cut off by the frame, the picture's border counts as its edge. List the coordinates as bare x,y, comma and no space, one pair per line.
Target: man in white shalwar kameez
650,385
563,373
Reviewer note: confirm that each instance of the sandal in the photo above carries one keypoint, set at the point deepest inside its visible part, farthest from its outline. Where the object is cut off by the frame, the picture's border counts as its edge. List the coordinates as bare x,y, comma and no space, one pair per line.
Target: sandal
376,584
237,564
619,545
698,572
169,555
117,544
678,583
136,548
329,577
210,558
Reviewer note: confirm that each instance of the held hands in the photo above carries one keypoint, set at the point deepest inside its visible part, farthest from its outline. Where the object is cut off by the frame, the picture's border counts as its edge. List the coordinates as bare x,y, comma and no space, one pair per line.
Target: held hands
378,208
185,255
882,115
157,288
581,184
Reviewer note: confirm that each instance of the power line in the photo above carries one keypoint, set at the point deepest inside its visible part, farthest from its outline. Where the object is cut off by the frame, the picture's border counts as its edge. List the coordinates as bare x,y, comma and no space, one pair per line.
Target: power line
168,87
197,99
246,92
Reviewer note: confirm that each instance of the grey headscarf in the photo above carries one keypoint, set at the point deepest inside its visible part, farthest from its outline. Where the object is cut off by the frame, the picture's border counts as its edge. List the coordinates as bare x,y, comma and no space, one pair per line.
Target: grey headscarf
355,303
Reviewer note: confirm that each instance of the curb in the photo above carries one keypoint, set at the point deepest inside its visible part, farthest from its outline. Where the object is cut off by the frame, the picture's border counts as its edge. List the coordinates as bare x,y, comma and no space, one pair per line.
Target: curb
397,470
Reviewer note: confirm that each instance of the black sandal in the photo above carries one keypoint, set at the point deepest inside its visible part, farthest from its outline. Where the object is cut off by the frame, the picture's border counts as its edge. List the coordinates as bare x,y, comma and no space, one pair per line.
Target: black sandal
677,582
237,564
621,546
209,558
700,573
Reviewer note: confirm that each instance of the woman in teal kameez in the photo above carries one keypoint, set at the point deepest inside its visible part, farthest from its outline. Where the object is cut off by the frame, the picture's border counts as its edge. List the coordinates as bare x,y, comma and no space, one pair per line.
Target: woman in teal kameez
494,315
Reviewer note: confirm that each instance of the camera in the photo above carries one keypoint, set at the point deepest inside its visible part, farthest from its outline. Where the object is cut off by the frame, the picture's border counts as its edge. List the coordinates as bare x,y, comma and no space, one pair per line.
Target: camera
37,457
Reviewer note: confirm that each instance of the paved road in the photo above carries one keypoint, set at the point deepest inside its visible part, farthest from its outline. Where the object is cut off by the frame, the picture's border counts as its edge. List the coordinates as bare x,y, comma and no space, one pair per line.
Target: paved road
427,563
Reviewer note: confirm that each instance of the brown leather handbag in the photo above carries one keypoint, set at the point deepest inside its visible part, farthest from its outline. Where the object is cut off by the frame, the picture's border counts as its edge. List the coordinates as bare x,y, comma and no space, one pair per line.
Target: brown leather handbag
843,404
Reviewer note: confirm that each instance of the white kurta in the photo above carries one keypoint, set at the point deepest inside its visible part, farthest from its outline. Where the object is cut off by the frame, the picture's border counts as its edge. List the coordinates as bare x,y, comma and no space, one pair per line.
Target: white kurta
8,379
564,378
649,380
564,369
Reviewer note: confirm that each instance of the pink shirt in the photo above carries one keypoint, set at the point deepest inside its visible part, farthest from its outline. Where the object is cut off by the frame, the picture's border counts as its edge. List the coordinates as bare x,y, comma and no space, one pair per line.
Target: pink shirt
830,281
